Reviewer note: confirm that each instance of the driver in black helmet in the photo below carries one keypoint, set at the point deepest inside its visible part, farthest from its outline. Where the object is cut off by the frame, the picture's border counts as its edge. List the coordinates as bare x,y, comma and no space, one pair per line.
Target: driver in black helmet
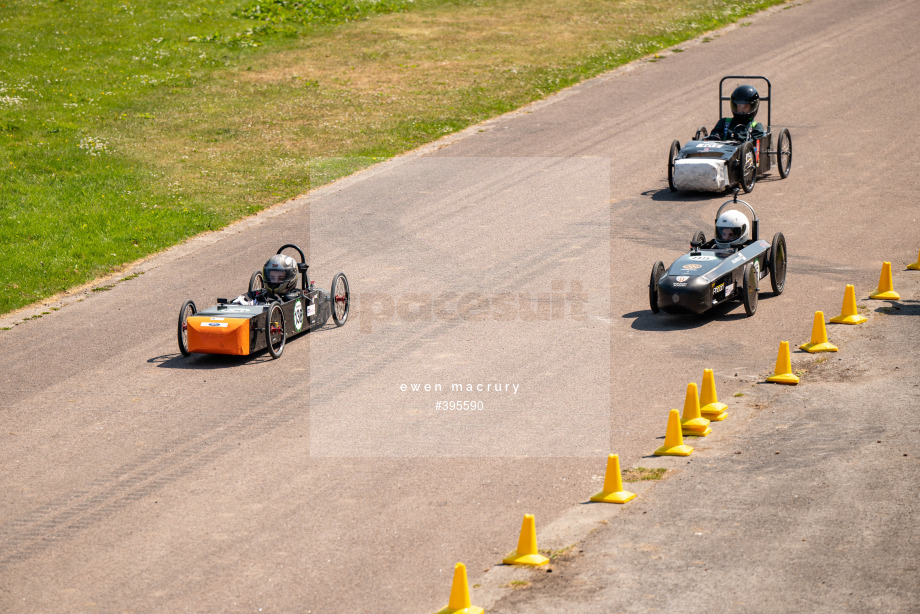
279,275
745,101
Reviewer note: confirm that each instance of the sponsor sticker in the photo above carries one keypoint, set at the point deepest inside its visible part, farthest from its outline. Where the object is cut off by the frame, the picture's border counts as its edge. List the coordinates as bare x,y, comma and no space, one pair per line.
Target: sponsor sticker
729,288
682,278
221,319
718,288
236,310
680,284
311,310
218,324
692,267
702,258
298,315
738,258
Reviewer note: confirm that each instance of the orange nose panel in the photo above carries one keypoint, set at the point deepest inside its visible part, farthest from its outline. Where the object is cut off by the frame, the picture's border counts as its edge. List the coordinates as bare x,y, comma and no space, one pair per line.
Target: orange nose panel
212,335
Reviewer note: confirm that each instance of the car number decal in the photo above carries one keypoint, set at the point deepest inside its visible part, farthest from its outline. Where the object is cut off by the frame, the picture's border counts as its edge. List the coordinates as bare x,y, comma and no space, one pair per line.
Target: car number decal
702,258
709,145
298,315
682,278
718,288
692,267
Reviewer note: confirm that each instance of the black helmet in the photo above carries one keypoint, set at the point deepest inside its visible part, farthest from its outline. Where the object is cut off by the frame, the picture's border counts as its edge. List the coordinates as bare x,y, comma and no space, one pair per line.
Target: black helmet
280,274
745,95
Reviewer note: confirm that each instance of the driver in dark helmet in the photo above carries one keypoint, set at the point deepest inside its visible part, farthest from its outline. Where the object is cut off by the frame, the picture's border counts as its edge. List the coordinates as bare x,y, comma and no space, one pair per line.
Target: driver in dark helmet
279,275
745,101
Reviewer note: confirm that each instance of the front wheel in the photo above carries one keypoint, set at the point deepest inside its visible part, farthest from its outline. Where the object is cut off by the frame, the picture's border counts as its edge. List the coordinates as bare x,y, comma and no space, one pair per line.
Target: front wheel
340,296
749,289
784,153
701,133
698,239
748,167
188,309
672,155
274,330
657,274
777,264
256,282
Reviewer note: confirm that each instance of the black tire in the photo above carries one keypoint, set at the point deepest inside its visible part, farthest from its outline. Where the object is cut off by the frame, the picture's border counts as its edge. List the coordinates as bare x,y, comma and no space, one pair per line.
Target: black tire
672,153
784,153
341,299
698,238
188,309
747,167
657,274
749,289
701,133
256,282
777,263
275,336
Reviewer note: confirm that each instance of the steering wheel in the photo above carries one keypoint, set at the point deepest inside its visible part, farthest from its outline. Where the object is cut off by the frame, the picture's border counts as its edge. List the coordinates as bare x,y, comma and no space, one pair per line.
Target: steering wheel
742,132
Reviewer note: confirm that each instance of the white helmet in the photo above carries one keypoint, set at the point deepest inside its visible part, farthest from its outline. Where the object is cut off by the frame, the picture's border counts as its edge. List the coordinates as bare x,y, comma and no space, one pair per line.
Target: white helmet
732,228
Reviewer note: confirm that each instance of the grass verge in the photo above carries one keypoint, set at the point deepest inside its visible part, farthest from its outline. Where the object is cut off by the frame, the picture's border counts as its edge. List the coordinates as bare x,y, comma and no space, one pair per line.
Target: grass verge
126,128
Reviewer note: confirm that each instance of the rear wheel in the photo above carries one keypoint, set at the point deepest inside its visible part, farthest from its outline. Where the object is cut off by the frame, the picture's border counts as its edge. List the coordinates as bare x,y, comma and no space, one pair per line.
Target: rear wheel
188,309
340,297
749,289
256,282
777,264
274,330
657,274
784,153
672,155
748,167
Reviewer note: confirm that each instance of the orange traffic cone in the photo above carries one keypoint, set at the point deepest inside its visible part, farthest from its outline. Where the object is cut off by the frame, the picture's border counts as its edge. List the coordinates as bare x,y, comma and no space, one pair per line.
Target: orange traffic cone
819,342
613,484
885,291
673,439
692,423
915,266
848,314
783,374
459,602
709,402
526,553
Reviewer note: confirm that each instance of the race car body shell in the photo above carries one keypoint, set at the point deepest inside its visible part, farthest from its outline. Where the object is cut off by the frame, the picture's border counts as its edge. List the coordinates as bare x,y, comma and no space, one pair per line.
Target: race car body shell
697,281
213,332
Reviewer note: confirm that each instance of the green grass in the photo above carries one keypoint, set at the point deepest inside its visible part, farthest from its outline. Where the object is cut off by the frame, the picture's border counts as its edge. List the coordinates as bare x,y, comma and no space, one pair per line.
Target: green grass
128,127
642,474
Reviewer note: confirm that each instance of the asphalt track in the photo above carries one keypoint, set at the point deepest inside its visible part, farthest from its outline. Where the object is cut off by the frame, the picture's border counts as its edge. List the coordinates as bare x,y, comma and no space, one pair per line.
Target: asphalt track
516,253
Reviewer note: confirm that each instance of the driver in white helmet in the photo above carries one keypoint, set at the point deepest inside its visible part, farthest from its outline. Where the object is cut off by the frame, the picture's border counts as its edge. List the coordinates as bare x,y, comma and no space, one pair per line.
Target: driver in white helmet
732,230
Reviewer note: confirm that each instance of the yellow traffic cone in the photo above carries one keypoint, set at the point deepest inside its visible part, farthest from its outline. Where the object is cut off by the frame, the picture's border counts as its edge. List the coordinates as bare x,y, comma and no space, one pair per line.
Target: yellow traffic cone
848,314
916,265
613,484
526,553
818,341
459,602
692,423
709,402
783,374
673,439
885,291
